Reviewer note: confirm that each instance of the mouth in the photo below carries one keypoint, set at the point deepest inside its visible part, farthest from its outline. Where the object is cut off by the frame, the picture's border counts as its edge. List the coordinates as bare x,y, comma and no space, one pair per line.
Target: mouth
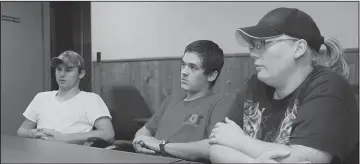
183,80
258,67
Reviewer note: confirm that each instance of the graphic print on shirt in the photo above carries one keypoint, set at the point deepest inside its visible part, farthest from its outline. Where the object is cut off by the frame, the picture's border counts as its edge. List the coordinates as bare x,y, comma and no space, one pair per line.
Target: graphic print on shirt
193,119
253,117
283,134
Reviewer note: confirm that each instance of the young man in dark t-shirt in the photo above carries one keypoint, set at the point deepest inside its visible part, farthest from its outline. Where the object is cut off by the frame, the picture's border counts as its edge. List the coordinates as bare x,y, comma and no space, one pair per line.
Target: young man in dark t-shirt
182,125
297,102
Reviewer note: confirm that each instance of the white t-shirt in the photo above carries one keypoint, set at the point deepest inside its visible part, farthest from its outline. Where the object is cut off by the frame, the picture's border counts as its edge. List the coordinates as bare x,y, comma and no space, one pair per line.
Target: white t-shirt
75,115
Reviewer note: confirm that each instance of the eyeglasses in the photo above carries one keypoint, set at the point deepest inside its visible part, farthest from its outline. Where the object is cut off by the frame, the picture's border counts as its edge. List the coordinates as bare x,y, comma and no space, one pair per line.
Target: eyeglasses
266,43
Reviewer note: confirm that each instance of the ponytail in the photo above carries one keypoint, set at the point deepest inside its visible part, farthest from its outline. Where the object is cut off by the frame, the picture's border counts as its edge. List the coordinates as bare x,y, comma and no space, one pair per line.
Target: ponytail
333,57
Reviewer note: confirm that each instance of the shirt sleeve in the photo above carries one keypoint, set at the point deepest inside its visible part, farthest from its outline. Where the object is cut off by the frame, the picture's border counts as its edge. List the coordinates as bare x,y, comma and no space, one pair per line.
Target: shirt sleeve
153,123
97,110
218,113
327,124
31,110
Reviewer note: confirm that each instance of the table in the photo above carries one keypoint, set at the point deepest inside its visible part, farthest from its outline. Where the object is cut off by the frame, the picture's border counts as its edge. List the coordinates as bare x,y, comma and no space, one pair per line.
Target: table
186,162
16,149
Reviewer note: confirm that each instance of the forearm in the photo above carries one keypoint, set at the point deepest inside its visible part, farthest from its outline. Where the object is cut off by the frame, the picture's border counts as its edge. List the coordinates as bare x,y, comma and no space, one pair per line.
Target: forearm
298,153
224,154
254,147
80,138
193,151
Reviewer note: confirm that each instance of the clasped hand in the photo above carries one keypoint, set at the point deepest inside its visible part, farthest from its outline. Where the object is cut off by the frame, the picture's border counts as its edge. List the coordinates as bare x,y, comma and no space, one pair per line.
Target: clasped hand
146,144
51,134
226,133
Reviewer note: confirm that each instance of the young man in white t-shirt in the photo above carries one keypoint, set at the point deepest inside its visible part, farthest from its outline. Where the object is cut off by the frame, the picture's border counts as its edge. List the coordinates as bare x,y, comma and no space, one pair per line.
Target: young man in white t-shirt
68,114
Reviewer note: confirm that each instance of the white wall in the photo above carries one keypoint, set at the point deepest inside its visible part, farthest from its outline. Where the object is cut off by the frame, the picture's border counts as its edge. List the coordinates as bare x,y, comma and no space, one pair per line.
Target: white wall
25,59
127,30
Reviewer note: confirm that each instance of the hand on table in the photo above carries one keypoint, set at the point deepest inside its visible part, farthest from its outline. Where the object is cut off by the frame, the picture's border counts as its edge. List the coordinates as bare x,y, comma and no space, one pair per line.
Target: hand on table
54,135
36,134
146,144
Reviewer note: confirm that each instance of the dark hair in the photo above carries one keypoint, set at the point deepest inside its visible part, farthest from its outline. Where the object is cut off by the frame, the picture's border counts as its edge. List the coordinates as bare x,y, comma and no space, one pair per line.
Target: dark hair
212,56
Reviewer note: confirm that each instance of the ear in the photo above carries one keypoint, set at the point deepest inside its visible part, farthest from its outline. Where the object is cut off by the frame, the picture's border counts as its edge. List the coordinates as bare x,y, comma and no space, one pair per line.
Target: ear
82,74
300,48
211,77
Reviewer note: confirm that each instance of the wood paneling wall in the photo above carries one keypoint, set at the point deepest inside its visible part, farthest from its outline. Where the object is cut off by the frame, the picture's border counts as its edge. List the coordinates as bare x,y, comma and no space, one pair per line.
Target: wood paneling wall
158,78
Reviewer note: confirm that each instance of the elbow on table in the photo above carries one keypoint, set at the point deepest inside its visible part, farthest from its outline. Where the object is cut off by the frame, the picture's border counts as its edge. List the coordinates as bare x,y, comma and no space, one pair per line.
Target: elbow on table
110,136
18,132
106,135
21,132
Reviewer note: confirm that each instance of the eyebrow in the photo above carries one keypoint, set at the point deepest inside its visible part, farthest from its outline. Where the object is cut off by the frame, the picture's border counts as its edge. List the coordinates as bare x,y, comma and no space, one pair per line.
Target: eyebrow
192,64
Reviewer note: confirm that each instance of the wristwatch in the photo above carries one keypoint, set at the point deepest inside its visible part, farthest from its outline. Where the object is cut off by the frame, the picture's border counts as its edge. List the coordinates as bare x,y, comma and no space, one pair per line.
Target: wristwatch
162,146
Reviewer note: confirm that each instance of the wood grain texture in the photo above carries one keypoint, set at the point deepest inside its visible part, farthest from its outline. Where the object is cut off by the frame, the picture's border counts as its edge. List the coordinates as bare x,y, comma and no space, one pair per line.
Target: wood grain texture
156,79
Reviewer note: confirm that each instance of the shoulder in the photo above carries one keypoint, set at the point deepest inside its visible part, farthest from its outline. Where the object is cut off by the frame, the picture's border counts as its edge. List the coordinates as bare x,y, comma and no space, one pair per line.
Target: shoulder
323,84
221,101
175,97
221,98
46,94
89,95
322,76
168,100
90,98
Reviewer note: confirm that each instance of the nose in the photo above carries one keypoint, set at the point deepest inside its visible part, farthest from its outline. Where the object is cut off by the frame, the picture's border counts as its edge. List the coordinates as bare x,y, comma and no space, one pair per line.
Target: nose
184,71
254,54
62,73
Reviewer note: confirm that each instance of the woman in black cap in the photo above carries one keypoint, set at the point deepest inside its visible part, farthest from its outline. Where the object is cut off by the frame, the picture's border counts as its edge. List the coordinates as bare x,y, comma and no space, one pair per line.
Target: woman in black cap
299,102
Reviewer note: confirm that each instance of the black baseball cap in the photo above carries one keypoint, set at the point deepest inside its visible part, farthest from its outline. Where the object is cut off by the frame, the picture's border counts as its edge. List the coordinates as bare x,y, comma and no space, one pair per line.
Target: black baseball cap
289,21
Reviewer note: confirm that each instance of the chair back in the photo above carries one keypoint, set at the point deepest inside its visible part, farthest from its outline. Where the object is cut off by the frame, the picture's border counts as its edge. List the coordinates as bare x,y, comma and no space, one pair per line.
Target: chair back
127,105
354,156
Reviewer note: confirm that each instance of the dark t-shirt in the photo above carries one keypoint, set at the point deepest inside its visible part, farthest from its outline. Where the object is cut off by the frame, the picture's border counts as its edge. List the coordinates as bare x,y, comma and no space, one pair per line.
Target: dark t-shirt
188,121
321,113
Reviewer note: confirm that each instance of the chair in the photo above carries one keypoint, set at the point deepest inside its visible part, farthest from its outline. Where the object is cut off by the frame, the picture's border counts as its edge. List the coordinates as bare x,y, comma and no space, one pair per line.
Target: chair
355,89
354,156
127,106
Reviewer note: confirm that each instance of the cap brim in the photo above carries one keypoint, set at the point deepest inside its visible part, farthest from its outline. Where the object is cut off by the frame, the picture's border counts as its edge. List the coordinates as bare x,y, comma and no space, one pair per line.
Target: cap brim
56,61
246,34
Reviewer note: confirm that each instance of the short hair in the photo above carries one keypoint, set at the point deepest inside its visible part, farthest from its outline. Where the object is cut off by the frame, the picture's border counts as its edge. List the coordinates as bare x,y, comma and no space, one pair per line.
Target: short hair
211,55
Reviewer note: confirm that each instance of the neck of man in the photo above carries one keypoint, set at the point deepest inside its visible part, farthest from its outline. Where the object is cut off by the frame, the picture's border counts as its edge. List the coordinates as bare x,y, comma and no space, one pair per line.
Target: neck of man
65,94
195,95
292,82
